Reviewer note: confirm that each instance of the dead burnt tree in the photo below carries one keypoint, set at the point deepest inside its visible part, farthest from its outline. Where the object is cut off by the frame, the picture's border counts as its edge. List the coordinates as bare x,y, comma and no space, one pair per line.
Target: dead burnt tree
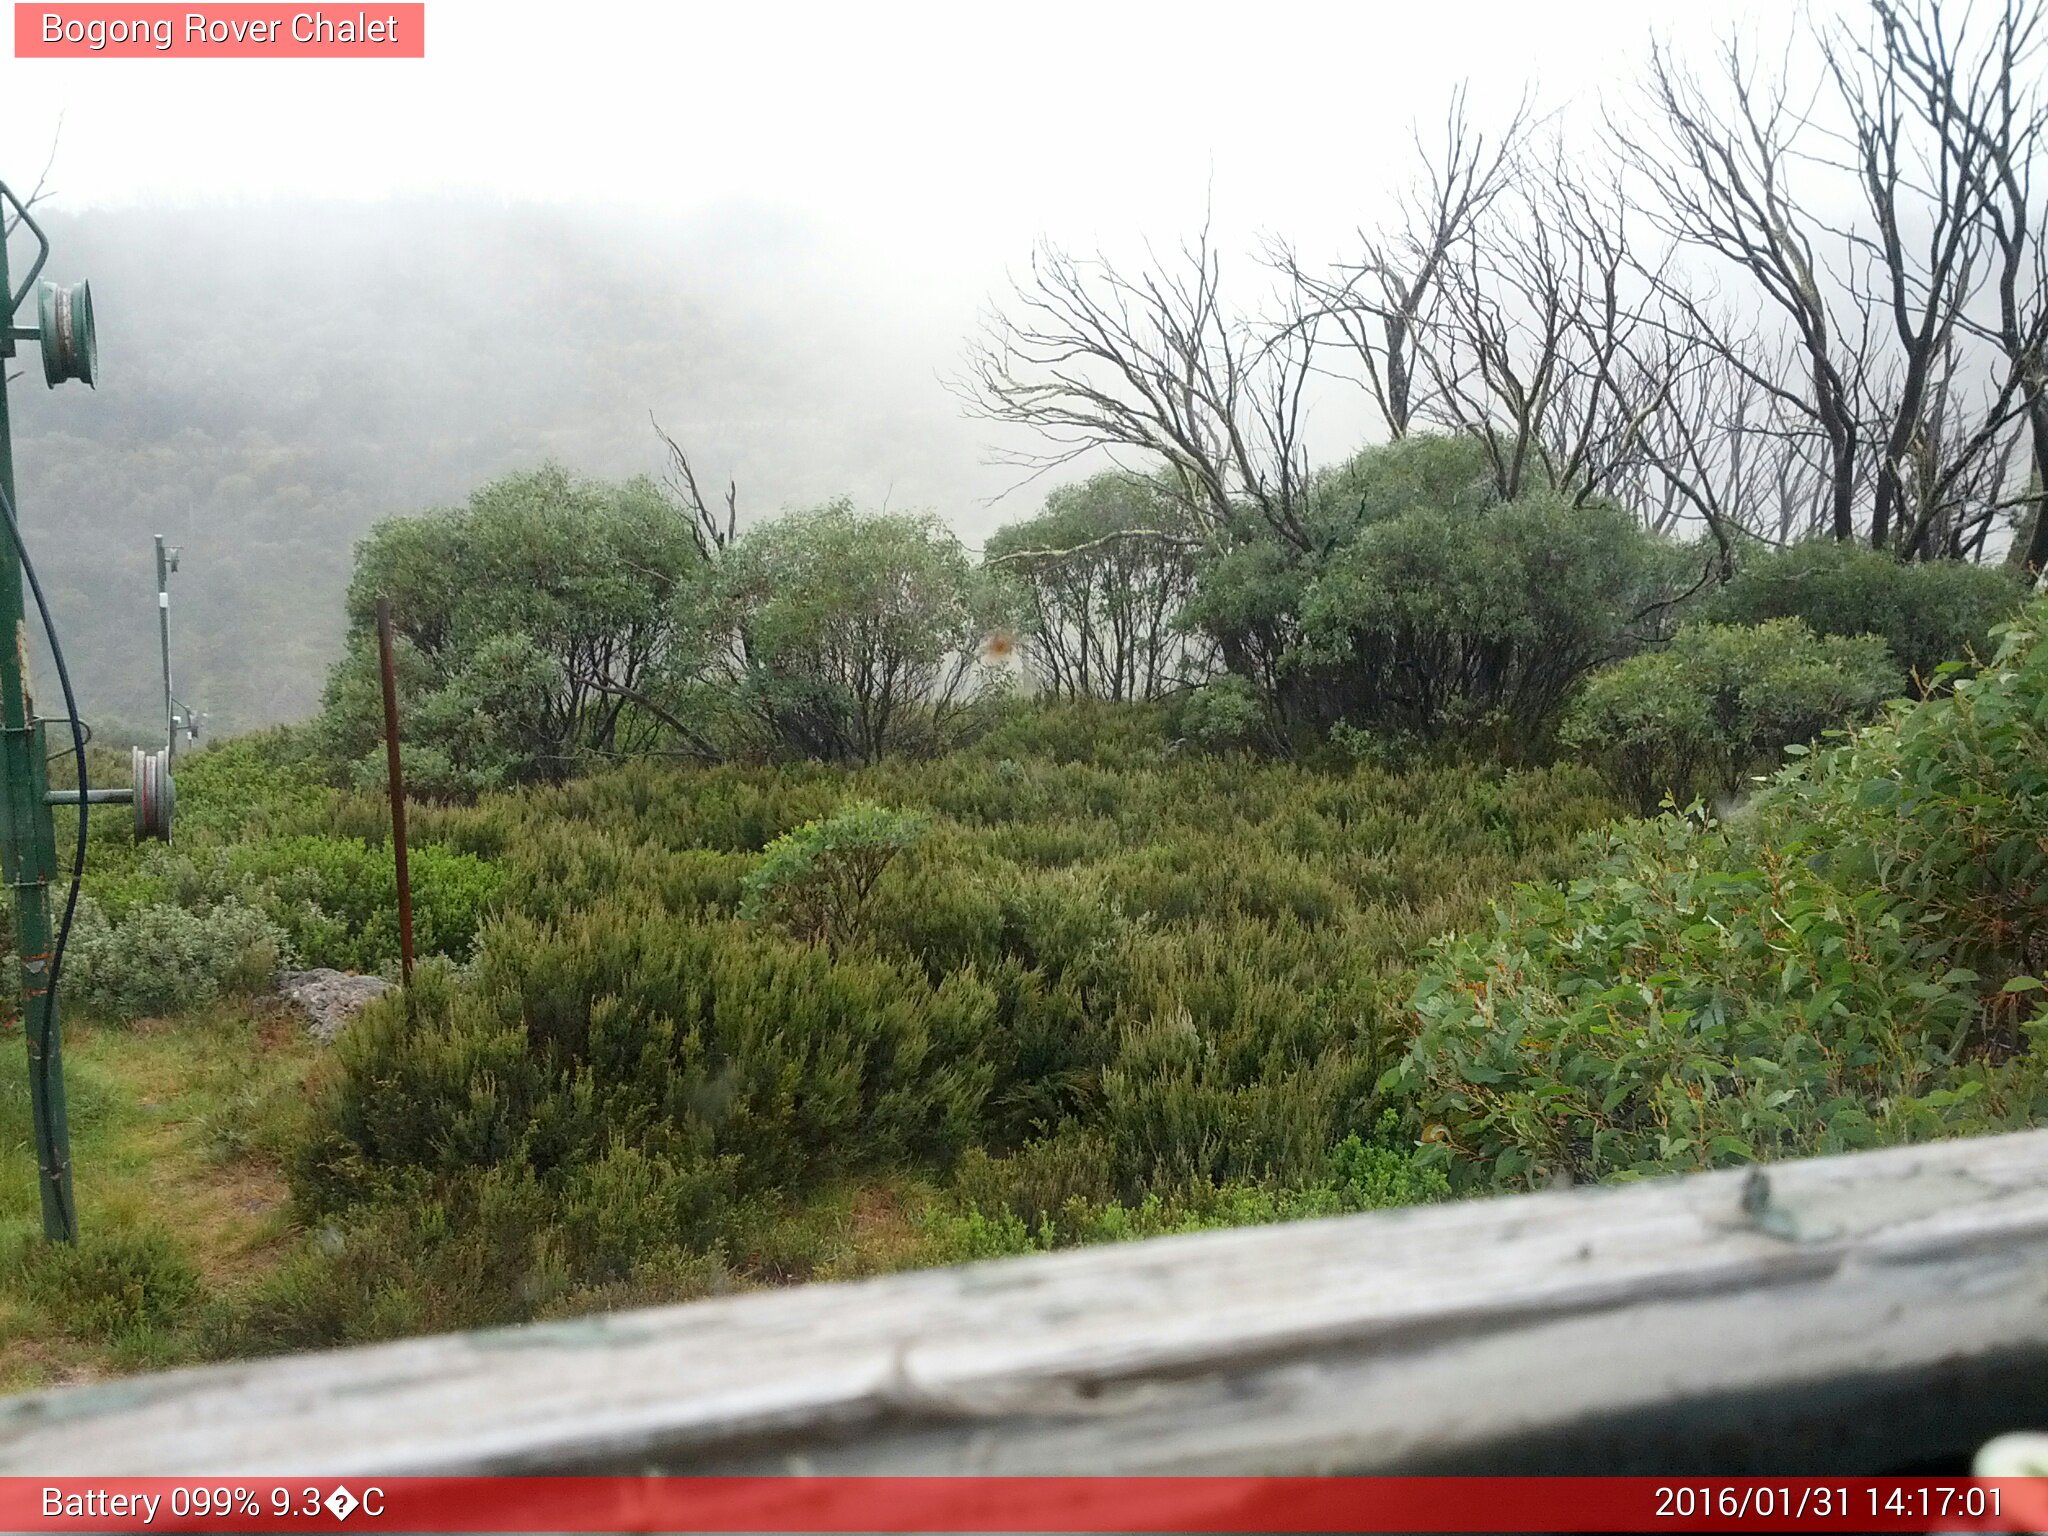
1707,448
1963,493
1915,316
1530,352
1717,169
1091,356
1987,112
1956,456
1916,96
1381,302
720,637
42,190
713,529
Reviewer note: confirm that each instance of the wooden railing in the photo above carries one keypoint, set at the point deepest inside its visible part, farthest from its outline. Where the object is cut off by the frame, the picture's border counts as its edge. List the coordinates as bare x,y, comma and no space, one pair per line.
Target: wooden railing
1879,1312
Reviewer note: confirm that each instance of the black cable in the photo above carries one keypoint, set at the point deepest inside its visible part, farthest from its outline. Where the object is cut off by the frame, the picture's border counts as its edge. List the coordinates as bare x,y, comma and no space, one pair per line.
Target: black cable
28,569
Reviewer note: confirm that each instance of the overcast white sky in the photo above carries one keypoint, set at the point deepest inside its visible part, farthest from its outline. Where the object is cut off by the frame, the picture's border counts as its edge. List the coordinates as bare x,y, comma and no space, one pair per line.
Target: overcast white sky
949,134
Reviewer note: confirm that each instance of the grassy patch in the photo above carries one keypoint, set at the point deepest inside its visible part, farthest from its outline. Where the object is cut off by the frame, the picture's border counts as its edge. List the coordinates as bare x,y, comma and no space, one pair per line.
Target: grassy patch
177,1131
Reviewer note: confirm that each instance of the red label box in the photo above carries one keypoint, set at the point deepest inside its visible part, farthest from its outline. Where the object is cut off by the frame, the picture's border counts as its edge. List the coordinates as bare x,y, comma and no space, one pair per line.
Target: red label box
1681,1506
224,31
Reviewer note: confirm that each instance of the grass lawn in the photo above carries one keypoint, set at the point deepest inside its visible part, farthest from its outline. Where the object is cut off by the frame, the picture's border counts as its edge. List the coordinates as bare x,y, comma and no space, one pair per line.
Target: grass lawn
177,1130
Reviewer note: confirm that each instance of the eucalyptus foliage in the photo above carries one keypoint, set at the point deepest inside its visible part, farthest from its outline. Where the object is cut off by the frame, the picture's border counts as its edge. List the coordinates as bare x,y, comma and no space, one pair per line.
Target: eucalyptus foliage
1928,612
1721,703
855,635
1435,619
1105,569
1424,605
529,621
554,623
814,880
1857,960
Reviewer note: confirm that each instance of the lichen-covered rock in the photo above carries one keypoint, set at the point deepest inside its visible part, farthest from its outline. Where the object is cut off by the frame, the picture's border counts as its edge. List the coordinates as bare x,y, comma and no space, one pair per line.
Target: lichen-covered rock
330,999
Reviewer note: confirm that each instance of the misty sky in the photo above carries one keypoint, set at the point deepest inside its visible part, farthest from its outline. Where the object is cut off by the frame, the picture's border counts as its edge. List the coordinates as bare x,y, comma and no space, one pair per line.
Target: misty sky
914,152
944,134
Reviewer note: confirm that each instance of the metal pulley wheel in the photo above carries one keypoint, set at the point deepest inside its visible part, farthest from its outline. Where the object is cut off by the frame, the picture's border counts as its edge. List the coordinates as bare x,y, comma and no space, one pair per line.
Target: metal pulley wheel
155,795
70,349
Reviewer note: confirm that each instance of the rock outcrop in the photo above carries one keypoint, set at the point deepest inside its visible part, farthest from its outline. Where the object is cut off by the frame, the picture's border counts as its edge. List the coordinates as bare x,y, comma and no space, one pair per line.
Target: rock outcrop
330,999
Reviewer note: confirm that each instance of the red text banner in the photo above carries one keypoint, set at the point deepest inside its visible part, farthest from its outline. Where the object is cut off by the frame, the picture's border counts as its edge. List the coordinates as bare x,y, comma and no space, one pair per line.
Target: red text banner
224,31
1048,1504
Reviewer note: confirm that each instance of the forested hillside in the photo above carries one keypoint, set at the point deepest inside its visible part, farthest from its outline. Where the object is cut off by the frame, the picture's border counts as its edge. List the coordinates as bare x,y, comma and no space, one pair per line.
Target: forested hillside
276,378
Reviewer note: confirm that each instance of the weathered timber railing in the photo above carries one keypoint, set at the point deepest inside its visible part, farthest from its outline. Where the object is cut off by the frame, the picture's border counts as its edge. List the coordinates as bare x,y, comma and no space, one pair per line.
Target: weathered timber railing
1879,1312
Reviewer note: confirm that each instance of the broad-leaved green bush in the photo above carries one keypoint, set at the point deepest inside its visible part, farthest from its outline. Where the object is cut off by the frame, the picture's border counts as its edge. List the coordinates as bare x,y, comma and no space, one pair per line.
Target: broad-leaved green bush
1857,960
526,621
1102,573
1413,599
1719,705
1224,714
1928,612
862,632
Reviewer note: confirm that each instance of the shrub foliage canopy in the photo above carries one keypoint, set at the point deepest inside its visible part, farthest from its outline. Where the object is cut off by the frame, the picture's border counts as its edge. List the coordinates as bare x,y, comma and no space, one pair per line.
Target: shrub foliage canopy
1721,704
1856,960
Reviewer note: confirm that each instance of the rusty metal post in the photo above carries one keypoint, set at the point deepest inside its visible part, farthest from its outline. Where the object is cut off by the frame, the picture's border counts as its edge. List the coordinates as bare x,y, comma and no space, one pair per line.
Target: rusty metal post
397,788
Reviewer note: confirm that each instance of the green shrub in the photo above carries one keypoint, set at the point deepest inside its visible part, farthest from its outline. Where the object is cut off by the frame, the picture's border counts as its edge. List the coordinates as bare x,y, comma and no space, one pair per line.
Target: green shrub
862,631
625,1209
476,1251
337,897
112,1285
1416,591
1928,613
1100,575
1476,620
1722,703
599,1101
700,1043
500,608
1179,979
1093,731
165,959
334,898
1940,807
1387,750
267,783
1224,714
1006,1207
814,882
1669,1012
1857,961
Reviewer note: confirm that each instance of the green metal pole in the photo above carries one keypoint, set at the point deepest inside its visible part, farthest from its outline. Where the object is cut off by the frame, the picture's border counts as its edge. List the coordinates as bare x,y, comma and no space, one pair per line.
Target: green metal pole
28,853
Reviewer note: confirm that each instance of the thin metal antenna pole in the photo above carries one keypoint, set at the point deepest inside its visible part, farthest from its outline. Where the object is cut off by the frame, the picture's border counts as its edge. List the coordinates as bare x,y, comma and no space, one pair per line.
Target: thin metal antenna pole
163,624
384,665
